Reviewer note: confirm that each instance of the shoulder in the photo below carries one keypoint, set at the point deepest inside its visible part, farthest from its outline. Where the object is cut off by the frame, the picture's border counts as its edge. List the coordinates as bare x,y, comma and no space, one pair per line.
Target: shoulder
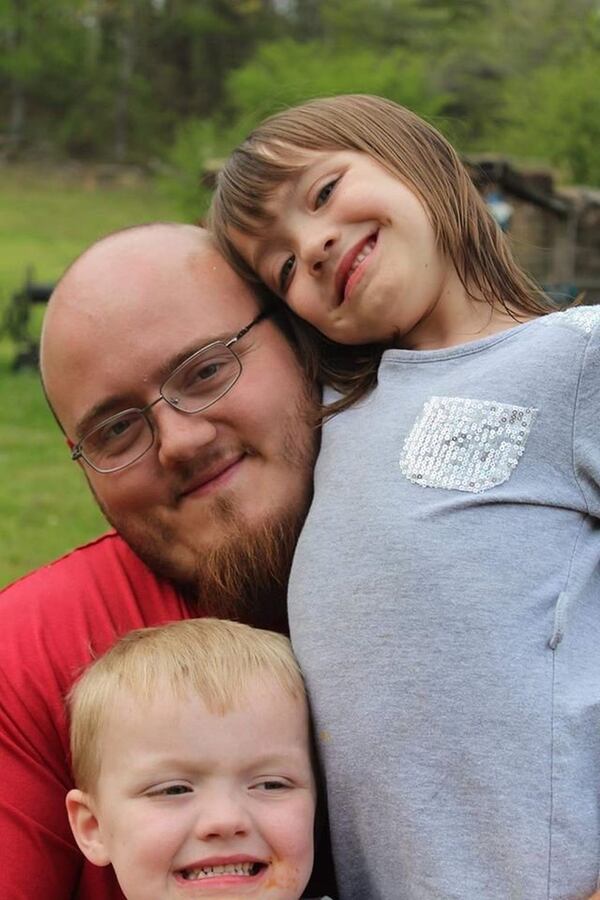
558,343
582,320
98,548
89,553
62,614
104,564
573,341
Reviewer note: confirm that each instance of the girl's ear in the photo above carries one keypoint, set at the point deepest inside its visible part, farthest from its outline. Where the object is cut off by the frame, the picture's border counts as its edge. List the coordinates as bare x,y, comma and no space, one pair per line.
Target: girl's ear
85,827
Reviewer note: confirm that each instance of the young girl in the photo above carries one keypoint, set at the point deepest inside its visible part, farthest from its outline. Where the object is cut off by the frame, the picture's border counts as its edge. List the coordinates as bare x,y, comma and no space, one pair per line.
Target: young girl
444,597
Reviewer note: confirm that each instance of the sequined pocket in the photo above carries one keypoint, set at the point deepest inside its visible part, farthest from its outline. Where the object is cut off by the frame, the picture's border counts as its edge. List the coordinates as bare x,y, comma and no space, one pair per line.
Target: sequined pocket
465,445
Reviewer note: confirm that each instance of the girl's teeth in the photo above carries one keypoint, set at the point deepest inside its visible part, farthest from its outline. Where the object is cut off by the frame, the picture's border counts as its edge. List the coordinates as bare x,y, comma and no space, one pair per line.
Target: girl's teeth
360,257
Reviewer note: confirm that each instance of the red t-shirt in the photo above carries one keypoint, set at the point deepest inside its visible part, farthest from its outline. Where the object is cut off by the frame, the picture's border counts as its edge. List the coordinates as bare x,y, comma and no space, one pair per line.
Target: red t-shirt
52,623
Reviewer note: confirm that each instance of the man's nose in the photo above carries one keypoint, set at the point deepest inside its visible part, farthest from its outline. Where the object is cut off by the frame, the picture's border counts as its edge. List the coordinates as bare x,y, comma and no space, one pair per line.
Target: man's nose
181,436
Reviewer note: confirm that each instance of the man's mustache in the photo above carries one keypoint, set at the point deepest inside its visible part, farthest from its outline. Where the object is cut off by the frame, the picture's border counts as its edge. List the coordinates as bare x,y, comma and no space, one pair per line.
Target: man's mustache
209,464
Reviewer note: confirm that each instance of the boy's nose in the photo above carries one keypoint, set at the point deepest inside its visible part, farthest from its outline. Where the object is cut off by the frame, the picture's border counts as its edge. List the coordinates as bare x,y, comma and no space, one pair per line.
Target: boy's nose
223,818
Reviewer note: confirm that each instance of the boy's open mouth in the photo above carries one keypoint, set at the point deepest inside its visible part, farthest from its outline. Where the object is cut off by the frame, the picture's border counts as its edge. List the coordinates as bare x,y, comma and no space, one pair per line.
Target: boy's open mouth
243,869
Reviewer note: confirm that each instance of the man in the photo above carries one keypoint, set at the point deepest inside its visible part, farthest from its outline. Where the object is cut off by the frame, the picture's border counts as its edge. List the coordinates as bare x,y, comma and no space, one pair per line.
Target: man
189,413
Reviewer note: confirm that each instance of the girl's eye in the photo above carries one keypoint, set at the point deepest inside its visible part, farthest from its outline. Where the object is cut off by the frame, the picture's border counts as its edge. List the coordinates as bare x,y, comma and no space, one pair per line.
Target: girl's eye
325,192
285,273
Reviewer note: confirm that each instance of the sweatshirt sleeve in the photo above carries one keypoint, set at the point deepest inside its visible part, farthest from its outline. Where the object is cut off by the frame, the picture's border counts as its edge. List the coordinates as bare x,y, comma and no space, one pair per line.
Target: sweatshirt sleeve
586,424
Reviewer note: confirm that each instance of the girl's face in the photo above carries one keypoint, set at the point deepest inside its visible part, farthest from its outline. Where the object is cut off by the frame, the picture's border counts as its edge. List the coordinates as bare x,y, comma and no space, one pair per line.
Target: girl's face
352,250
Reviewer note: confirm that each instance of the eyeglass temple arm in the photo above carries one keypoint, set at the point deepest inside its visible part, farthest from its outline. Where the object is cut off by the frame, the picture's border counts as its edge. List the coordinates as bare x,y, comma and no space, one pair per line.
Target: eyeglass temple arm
262,315
75,451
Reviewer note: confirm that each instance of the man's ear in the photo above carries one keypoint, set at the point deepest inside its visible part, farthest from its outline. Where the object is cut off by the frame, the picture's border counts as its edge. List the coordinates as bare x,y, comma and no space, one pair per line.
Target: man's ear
85,827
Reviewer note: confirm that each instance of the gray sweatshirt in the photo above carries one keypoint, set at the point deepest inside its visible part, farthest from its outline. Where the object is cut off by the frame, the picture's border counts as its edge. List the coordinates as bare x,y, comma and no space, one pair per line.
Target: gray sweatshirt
445,608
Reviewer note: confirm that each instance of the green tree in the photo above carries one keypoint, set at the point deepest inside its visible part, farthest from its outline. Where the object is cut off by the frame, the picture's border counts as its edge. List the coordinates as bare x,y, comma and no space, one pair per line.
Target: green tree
495,48
195,45
284,73
553,114
115,115
39,56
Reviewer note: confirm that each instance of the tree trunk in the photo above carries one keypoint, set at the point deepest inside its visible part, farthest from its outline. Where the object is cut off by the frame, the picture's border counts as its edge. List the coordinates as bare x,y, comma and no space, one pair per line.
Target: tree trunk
127,53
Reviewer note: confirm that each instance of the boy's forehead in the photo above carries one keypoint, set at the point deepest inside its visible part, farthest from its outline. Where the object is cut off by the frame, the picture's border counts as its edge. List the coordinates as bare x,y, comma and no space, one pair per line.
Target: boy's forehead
162,691
166,733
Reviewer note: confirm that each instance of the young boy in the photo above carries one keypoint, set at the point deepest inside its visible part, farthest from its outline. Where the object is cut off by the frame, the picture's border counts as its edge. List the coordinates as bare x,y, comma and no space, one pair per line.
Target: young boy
191,754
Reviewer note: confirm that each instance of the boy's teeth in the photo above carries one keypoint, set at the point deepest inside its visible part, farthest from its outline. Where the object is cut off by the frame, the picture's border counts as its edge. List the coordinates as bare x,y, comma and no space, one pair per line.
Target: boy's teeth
243,868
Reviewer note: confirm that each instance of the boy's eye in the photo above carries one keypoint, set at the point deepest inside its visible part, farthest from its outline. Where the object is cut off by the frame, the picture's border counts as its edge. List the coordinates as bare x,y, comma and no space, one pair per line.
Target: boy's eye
285,273
272,784
325,192
170,790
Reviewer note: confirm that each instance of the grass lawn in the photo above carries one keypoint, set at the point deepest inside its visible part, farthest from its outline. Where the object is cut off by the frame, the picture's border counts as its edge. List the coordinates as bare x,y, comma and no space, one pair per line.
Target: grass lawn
46,219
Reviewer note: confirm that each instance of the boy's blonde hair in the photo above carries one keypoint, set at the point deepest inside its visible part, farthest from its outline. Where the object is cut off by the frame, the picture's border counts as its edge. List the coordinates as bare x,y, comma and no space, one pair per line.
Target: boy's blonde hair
411,150
213,658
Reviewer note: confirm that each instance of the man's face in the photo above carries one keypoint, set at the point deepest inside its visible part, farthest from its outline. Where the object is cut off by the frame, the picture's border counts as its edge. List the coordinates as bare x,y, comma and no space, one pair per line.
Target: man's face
124,317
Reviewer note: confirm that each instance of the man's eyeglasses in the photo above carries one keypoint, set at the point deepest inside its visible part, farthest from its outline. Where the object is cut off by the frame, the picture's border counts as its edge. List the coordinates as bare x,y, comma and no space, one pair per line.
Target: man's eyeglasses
196,383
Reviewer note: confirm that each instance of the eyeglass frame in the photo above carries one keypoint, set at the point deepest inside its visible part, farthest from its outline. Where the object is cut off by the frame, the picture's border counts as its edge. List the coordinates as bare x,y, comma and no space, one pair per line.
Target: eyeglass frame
77,452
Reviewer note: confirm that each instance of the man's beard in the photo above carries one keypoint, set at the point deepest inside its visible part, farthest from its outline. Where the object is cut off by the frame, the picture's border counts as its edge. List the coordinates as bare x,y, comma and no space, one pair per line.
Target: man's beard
246,578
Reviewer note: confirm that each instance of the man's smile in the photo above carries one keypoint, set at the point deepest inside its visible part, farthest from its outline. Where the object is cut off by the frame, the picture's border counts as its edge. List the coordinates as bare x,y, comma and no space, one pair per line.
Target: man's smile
214,477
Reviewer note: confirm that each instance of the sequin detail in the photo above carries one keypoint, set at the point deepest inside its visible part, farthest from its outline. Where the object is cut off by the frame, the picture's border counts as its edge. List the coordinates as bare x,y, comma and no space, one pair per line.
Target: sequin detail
584,318
465,445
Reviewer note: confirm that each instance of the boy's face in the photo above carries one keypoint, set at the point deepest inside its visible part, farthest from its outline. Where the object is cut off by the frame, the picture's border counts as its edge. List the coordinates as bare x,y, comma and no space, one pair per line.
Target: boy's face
193,804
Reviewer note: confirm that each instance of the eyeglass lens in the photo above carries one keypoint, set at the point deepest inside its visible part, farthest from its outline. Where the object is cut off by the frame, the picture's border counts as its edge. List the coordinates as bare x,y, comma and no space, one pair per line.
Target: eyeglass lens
202,378
198,383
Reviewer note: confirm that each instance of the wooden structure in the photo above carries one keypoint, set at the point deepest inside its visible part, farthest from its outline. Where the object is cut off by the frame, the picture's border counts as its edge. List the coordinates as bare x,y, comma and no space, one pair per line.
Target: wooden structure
554,232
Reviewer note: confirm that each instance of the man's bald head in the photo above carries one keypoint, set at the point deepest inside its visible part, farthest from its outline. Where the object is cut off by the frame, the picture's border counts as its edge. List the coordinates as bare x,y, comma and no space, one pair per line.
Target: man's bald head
96,288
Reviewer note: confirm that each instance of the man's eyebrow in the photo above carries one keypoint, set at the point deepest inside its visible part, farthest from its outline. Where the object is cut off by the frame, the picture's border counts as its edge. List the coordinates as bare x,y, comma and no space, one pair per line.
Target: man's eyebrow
169,365
100,411
120,402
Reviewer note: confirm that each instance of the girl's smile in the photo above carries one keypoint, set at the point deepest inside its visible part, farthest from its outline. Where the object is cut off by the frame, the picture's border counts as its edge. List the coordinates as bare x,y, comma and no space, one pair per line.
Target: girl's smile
353,265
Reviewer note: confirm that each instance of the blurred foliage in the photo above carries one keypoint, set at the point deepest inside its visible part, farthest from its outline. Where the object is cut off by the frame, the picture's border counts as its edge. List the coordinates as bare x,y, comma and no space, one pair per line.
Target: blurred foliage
287,72
177,82
554,115
47,217
281,74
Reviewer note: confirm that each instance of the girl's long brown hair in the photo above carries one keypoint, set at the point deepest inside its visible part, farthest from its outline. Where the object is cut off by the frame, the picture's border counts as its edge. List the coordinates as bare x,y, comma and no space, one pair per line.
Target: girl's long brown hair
411,150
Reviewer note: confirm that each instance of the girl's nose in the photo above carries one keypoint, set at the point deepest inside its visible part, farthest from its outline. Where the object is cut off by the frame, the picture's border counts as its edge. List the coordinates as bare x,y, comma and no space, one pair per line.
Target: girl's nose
318,249
321,255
